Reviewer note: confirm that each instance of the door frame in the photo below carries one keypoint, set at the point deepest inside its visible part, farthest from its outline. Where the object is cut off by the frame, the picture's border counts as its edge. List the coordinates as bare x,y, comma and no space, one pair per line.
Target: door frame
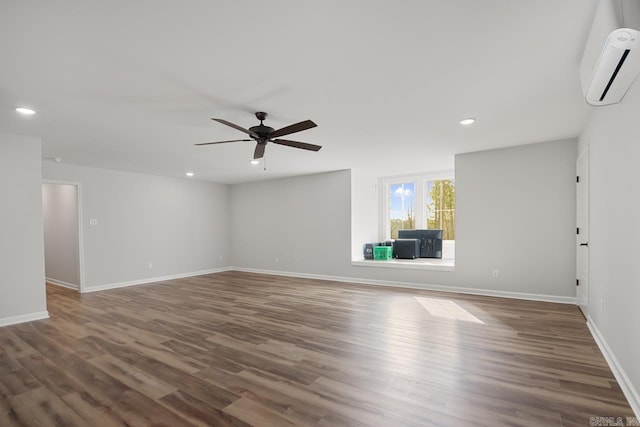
78,186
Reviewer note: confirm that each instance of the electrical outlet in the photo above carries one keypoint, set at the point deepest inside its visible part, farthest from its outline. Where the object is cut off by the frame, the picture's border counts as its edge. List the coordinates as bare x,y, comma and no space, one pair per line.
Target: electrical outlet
93,222
495,273
150,264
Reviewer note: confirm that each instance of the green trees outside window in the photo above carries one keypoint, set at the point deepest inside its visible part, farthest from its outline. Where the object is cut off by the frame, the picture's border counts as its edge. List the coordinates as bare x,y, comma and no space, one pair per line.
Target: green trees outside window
441,207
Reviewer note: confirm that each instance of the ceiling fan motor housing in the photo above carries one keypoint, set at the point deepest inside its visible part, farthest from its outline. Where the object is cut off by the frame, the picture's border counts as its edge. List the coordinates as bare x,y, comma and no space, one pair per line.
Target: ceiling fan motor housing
263,133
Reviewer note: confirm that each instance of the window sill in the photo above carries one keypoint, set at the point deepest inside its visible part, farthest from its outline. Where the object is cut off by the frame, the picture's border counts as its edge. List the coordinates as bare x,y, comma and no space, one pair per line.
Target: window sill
445,264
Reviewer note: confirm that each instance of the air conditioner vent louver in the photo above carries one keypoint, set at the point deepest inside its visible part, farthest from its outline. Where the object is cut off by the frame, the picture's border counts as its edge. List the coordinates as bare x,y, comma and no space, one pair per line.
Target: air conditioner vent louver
615,73
616,69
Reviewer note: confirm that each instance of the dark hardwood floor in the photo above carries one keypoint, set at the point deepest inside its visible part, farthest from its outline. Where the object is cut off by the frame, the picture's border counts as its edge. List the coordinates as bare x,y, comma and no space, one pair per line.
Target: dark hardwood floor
236,349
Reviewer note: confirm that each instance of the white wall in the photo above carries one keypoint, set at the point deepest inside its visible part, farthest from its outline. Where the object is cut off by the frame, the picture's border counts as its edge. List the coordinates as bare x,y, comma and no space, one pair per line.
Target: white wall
60,215
181,226
515,212
303,222
22,289
612,134
365,212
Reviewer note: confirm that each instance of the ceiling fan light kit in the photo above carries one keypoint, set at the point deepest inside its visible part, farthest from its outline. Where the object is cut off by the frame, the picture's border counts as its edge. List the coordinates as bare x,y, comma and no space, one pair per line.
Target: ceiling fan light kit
263,135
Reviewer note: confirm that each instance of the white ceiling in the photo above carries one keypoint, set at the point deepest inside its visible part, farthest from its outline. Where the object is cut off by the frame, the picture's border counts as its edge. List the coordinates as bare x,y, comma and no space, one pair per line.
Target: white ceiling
131,85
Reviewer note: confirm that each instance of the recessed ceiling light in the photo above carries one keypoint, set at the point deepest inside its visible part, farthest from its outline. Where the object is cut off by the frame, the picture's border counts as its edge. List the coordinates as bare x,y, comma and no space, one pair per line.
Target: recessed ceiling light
57,159
254,161
189,173
467,122
25,111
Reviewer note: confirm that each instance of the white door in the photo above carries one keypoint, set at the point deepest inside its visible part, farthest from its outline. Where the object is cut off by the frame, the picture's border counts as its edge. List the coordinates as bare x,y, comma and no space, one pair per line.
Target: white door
582,236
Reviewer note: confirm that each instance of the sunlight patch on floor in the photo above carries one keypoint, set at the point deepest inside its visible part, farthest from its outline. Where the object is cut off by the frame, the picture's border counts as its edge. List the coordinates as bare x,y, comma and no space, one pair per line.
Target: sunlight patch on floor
446,309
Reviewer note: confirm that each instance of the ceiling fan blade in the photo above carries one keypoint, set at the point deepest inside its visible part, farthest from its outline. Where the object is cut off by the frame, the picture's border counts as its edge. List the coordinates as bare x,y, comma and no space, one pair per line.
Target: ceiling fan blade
297,127
224,142
240,128
297,144
259,152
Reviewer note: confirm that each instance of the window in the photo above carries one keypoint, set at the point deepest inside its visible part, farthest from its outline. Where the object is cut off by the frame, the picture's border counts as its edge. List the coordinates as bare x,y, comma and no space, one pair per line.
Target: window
401,207
419,201
441,207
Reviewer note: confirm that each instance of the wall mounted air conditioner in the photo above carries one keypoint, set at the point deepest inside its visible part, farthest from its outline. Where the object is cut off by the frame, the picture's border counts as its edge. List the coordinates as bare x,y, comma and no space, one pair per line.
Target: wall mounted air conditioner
616,69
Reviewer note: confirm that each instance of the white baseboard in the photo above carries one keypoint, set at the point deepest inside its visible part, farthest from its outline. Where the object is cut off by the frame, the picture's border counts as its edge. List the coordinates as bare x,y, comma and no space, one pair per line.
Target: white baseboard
152,280
626,385
61,283
24,318
426,287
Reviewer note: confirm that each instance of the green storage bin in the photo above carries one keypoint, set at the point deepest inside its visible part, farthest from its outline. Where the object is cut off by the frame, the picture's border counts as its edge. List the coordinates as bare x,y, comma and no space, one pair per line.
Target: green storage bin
383,252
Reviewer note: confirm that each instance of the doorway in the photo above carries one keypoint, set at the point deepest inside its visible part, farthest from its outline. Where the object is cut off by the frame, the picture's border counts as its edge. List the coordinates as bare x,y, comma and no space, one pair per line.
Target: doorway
582,237
61,212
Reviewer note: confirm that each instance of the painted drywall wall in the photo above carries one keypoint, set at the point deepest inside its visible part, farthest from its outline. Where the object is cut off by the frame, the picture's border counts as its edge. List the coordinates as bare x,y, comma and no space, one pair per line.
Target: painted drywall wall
22,286
365,210
515,212
299,225
612,135
60,215
178,226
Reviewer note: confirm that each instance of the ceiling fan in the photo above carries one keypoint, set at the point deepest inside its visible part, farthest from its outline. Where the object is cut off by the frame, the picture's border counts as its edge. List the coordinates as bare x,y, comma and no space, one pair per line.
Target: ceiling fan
264,134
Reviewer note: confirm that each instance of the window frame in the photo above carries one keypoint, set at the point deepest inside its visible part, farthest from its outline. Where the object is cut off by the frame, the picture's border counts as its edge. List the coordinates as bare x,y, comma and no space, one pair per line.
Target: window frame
420,181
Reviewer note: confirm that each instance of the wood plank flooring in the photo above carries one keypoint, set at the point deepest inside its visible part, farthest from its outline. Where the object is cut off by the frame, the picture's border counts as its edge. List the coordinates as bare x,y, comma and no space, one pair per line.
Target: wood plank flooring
238,349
